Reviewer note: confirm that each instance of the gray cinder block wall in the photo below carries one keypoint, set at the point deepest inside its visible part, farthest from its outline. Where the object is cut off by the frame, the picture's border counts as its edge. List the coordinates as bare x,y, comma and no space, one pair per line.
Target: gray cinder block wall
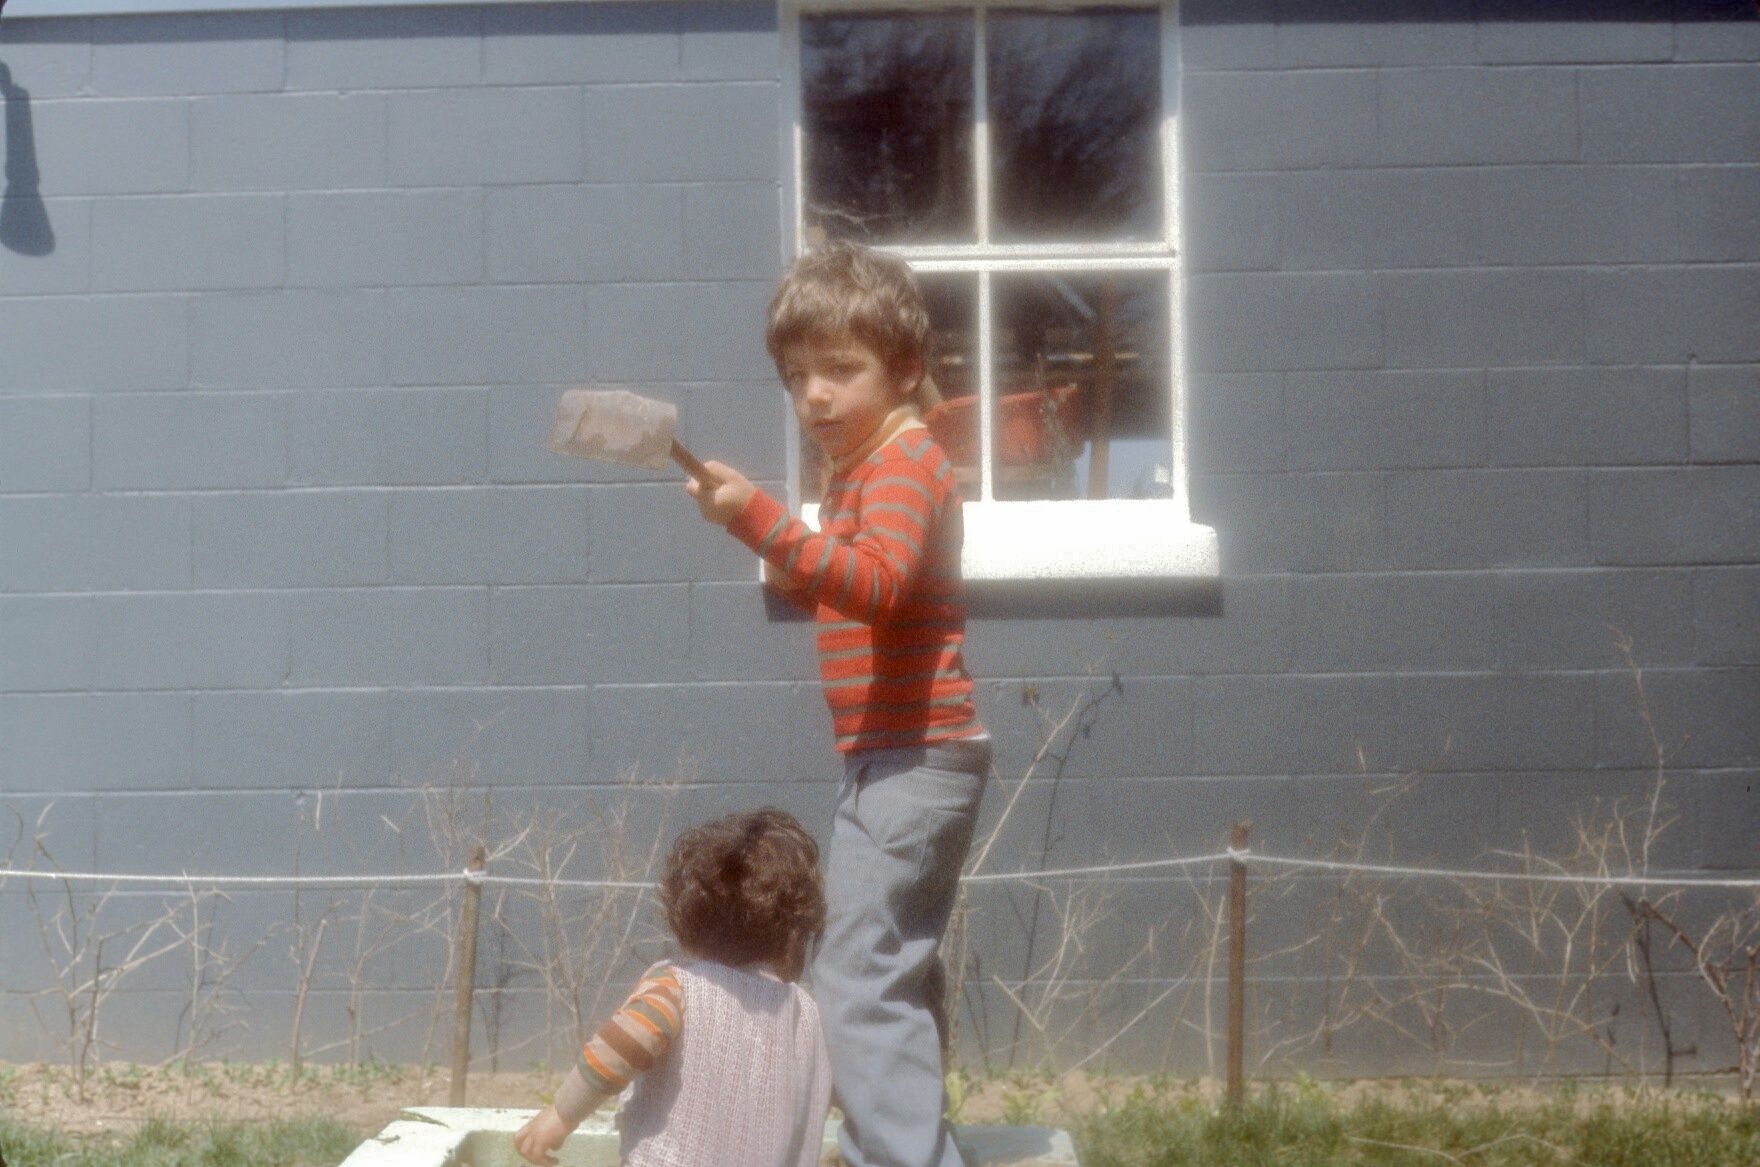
285,574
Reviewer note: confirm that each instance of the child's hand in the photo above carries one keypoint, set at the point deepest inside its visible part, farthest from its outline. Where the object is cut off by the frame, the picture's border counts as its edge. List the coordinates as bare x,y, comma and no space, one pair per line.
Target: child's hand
536,1140
723,500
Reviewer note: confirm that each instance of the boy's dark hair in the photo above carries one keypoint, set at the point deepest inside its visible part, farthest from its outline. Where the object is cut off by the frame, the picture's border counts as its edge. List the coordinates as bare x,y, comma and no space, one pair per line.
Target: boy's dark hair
737,890
843,288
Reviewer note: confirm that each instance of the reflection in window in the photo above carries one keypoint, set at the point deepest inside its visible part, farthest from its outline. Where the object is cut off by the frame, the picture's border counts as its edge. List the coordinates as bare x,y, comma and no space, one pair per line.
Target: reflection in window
1074,113
887,105
1081,408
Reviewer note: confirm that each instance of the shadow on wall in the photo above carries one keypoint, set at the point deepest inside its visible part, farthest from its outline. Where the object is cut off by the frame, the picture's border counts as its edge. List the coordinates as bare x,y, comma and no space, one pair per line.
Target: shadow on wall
24,221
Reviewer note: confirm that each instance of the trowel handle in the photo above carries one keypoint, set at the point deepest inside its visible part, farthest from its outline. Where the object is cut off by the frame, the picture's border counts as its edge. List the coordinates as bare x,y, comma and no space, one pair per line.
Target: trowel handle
692,465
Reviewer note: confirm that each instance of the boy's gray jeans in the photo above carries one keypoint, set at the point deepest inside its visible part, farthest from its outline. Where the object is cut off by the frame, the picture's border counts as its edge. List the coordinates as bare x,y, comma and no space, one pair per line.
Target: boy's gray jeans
904,823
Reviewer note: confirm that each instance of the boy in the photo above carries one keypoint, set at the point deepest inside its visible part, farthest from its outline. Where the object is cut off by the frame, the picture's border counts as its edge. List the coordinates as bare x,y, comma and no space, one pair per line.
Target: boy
849,330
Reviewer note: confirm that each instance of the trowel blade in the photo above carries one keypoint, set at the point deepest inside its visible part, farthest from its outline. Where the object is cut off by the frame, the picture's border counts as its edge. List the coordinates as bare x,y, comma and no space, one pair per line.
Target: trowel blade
614,425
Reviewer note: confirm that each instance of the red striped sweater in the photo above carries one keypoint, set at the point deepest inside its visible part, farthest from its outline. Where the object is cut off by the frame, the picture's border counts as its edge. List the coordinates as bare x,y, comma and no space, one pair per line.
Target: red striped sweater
883,570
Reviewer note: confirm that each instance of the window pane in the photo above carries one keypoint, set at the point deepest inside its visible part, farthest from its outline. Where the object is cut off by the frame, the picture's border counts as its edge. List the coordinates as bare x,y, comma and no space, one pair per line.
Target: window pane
1082,405
1075,114
887,106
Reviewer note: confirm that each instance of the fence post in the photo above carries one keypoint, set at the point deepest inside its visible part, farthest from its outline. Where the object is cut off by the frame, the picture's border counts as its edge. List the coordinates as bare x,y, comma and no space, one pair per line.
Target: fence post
466,985
1237,964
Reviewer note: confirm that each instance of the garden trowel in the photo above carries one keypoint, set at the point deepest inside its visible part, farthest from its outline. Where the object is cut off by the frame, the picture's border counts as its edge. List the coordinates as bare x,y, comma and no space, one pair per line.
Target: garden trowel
615,425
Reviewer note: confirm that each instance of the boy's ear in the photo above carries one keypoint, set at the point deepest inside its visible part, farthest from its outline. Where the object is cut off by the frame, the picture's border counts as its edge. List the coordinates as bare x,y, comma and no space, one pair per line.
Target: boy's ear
910,375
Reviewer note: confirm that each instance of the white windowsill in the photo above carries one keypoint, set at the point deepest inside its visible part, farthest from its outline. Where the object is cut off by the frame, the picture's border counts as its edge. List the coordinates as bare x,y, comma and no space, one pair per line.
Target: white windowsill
1080,540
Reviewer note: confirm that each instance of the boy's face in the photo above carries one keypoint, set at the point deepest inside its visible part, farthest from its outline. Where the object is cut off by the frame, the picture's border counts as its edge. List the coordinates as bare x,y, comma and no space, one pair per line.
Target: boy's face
842,390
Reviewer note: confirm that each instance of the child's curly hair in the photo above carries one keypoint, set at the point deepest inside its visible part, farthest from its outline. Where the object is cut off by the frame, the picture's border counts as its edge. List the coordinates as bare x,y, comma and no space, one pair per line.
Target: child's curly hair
843,288
739,889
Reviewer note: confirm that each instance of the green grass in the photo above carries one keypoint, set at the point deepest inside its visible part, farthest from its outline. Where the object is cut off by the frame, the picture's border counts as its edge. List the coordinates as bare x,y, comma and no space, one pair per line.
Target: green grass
1309,1125
309,1142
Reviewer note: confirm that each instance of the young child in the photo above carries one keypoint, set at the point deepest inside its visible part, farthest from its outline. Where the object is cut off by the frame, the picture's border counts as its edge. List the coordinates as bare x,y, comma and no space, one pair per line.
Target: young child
849,330
722,1053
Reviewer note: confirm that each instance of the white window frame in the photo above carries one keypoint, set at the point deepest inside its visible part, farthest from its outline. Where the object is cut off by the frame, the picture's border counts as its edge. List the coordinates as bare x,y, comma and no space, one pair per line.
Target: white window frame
1052,538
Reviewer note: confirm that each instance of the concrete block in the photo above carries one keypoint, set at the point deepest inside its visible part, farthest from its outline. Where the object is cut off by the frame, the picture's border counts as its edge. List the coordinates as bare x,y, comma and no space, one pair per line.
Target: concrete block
48,58
576,233
1575,619
381,48
182,55
1274,321
1494,722
189,242
1103,738
288,141
462,742
48,343
478,148
84,542
723,733
390,437
265,340
652,533
1686,113
1571,33
1354,33
576,44
1482,317
1448,818
678,332
47,643
500,535
1394,623
1305,522
1220,35
270,539
356,239
205,640
740,423
731,42
101,742
60,821
1488,519
1726,615
732,230
310,740
112,147
1593,417
1536,215
1711,315
1321,221
479,336
579,635
1278,120
183,441
206,833
1476,116
1542,814
50,254
1698,515
390,636
1423,218
1719,213
1385,421
1231,222
1724,36
731,639
345,831
1703,719
1729,819
1235,423
45,444
720,132
1272,726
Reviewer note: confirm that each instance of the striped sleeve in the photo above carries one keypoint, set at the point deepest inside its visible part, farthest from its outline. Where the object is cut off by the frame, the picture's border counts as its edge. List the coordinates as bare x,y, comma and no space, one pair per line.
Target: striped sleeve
637,1036
869,576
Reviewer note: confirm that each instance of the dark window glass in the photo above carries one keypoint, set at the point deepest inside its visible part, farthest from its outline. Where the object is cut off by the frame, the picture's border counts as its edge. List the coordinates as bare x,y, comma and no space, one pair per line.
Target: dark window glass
887,107
1075,101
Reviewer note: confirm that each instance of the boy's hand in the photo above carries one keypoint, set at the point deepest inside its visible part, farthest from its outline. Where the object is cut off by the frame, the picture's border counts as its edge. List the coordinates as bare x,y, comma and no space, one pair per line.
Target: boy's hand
536,1140
722,500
